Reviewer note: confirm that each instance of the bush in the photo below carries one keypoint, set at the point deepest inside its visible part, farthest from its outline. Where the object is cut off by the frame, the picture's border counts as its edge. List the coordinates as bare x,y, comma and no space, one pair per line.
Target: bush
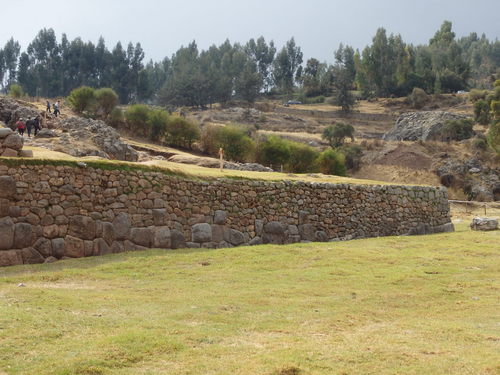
332,162
81,99
273,151
237,145
479,144
116,118
335,134
181,132
494,136
106,100
302,158
495,108
457,130
482,112
157,123
16,91
137,119
475,95
353,155
418,98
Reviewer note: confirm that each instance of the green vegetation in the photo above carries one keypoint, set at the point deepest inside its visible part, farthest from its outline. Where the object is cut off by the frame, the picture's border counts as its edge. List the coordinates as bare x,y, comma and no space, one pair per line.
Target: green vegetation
393,305
106,100
82,99
332,162
234,139
336,134
494,136
457,130
16,91
418,98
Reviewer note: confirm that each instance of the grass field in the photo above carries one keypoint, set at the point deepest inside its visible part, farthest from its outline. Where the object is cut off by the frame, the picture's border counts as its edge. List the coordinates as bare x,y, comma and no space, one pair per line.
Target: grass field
393,305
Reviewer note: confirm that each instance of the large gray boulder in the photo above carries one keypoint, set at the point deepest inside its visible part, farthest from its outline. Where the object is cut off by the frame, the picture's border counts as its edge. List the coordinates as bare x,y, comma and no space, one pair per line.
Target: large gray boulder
14,142
425,125
8,188
7,229
201,233
484,223
122,225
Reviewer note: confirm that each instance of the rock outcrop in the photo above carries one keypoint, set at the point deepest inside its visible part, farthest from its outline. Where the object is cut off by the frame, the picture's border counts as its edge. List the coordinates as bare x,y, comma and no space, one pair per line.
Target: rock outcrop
11,143
426,125
484,224
11,110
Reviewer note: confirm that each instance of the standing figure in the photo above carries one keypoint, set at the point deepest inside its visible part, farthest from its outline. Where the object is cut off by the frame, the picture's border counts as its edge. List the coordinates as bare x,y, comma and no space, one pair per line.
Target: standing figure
56,108
48,107
29,126
36,123
20,126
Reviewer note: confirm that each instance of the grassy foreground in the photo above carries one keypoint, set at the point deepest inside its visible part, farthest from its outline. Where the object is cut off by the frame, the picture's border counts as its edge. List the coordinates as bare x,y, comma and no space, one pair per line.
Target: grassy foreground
394,305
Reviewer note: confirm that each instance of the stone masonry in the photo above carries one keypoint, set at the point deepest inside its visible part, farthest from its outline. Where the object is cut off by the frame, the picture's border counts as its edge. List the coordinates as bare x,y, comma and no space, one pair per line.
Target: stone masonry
51,212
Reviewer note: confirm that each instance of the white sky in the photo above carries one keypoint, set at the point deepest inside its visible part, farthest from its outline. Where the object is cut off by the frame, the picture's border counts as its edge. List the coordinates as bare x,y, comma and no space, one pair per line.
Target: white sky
317,25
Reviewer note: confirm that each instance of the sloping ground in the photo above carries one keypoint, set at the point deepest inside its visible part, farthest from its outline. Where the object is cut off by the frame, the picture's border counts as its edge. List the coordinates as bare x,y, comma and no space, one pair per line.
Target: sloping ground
394,305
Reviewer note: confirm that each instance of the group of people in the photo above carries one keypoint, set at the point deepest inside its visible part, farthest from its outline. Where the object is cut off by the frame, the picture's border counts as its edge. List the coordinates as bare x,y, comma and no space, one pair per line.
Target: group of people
55,106
29,125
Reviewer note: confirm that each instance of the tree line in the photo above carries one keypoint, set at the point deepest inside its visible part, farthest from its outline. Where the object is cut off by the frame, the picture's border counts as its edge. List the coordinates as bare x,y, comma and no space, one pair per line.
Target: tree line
194,77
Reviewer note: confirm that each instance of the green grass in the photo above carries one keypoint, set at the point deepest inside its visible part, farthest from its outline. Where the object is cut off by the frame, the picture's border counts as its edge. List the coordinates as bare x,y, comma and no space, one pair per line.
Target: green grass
393,305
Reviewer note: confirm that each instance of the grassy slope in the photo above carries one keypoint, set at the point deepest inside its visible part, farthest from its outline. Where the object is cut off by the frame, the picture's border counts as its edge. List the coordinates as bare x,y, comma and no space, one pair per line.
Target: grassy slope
394,305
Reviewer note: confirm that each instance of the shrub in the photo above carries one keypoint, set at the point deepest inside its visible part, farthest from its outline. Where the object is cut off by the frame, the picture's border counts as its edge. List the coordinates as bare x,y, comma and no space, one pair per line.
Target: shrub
335,134
302,158
353,155
81,99
418,98
273,151
16,91
157,123
106,100
137,118
181,132
494,136
475,95
237,145
479,144
457,130
116,117
332,162
482,112
495,108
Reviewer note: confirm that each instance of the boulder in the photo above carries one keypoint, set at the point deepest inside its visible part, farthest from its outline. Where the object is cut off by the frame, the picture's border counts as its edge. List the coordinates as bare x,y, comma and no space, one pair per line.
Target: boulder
274,232
255,241
8,187
46,133
31,256
101,247
10,258
74,247
177,240
235,237
220,217
161,238
4,207
108,233
307,232
201,233
122,225
43,246
23,236
26,153
425,125
82,227
4,132
58,247
484,224
7,230
13,141
9,153
141,236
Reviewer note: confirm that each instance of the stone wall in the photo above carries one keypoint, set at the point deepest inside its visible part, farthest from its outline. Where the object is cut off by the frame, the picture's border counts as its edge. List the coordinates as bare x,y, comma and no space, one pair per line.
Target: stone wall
51,212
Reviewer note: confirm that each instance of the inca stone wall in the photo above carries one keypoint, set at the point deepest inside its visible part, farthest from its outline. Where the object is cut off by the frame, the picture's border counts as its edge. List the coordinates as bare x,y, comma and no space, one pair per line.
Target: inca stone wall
51,212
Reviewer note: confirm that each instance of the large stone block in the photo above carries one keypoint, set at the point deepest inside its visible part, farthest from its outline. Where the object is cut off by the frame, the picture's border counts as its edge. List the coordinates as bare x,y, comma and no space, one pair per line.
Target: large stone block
58,247
8,187
43,246
101,247
161,238
108,233
159,216
141,236
4,207
82,227
23,236
201,233
7,230
10,153
122,226
220,217
484,223
74,247
177,240
274,227
31,256
10,258
4,132
235,237
13,141
307,232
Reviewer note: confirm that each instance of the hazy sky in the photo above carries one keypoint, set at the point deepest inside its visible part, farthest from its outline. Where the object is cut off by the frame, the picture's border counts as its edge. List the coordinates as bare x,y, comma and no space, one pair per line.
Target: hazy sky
317,25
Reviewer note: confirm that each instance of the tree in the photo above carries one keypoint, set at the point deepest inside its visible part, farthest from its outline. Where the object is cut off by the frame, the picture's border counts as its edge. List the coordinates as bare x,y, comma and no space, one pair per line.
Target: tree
137,118
8,62
482,112
493,136
263,55
335,134
273,151
181,132
332,162
106,100
81,99
248,83
287,66
157,121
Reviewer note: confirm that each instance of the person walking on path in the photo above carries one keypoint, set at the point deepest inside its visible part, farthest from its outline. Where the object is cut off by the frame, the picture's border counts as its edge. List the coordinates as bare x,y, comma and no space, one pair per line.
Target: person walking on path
48,107
56,108
29,126
36,124
20,127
